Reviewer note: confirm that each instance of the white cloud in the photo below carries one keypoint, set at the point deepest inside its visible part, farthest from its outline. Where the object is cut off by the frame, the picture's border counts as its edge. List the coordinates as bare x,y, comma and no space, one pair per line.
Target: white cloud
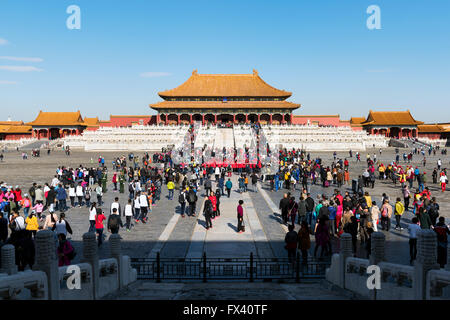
21,59
20,68
155,74
8,82
3,41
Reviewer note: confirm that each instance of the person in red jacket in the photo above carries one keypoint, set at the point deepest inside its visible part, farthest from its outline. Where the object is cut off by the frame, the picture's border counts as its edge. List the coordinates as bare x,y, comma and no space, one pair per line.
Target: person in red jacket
213,199
99,218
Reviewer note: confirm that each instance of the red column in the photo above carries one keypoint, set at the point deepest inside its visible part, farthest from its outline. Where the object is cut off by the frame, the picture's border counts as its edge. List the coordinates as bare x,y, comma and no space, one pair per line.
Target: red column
400,133
234,118
191,119
258,117
246,118
215,119
203,119
178,119
158,118
270,118
290,118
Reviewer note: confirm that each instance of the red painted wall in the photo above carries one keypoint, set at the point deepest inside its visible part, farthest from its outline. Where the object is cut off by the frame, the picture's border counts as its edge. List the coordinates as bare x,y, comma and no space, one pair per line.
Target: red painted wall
17,136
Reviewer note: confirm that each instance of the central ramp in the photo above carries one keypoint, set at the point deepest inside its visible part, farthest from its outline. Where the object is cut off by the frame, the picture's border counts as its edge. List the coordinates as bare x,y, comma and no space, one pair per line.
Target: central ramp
223,240
224,138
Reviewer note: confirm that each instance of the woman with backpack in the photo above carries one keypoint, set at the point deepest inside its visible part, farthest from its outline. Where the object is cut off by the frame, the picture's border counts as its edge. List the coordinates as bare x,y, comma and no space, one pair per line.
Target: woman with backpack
386,213
65,251
87,196
62,226
50,221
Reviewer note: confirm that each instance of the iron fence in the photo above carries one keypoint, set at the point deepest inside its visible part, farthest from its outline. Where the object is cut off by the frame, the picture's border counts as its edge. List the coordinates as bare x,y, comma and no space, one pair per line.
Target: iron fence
245,269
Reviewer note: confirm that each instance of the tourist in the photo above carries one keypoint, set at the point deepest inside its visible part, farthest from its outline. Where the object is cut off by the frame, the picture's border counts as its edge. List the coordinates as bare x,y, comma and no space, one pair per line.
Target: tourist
137,207
443,180
442,231
240,217
92,215
128,212
65,251
413,228
32,224
322,236
62,226
182,202
254,182
208,212
170,188
50,221
433,210
32,193
99,218
291,240
304,241
99,193
25,203
208,186
406,197
3,228
301,210
192,201
143,203
114,221
284,207
116,205
218,196
87,196
424,218
309,210
386,213
399,210
61,196
228,186
72,195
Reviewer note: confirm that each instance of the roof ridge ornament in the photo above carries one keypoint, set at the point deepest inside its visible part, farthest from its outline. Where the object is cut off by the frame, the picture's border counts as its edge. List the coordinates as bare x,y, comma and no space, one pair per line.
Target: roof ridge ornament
194,72
255,72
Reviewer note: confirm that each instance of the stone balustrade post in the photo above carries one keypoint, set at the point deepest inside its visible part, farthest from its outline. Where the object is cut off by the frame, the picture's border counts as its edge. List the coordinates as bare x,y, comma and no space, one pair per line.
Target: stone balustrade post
47,261
345,252
377,248
8,254
116,252
447,266
426,261
90,255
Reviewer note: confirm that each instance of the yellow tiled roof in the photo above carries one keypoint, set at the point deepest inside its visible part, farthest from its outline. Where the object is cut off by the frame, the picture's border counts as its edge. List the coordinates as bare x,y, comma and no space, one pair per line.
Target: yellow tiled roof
390,118
58,119
225,85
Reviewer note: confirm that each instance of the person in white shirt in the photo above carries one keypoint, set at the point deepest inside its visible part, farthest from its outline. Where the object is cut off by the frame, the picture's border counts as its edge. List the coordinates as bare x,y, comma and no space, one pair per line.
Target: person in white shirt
72,195
80,195
413,228
62,226
144,206
137,207
116,205
128,214
55,181
92,214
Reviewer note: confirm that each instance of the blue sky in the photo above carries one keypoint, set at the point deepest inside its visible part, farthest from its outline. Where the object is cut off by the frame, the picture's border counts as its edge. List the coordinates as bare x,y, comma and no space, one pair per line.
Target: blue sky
320,50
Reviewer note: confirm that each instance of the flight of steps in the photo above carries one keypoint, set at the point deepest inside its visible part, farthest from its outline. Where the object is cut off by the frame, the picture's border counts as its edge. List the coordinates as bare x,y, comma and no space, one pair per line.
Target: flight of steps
224,138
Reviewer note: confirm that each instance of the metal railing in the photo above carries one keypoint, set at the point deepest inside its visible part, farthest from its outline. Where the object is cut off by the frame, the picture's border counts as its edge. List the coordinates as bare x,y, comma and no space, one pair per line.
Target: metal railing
245,269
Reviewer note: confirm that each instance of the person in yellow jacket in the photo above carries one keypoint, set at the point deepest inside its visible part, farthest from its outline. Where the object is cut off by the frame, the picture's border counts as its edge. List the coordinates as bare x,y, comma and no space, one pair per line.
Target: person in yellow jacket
368,199
32,224
170,187
399,210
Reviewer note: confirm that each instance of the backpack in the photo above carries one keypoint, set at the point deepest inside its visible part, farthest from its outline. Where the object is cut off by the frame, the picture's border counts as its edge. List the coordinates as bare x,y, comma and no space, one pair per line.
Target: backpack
181,198
191,197
384,212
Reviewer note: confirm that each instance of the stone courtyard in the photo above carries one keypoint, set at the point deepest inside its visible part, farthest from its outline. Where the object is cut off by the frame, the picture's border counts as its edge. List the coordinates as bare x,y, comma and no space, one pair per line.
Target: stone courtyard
174,236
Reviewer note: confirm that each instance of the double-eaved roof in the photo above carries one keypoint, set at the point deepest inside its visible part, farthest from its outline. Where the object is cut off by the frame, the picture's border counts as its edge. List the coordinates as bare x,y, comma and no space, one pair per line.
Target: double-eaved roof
225,85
